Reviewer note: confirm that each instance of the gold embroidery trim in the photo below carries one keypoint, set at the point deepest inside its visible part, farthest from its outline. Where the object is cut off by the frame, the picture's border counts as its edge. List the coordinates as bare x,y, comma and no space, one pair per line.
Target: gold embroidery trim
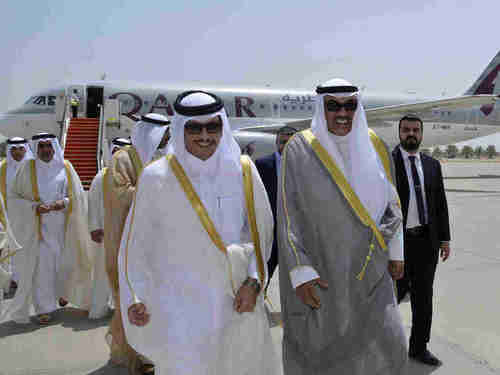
3,190
36,194
339,178
104,184
285,208
382,152
252,218
136,160
67,167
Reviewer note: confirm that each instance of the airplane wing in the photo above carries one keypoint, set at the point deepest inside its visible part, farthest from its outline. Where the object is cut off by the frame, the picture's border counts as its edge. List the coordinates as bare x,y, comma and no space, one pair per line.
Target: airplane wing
268,125
459,102
375,116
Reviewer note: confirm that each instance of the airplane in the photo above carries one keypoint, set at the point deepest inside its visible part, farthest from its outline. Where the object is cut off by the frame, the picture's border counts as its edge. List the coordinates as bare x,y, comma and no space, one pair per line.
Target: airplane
256,114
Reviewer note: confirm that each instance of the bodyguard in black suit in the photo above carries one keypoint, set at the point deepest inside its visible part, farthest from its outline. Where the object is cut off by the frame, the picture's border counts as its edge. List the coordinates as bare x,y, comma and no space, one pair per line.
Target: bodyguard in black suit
427,231
268,167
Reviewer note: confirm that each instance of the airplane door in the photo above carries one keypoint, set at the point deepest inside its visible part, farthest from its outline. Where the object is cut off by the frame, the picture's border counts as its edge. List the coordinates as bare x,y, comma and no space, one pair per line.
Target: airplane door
80,92
94,99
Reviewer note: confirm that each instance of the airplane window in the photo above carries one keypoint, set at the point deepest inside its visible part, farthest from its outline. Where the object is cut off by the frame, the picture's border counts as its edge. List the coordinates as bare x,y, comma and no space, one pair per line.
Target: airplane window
40,100
293,108
310,107
285,107
52,100
301,107
275,106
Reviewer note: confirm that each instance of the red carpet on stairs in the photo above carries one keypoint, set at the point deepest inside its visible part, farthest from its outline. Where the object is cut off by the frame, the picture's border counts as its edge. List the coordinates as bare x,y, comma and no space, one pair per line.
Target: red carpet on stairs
81,148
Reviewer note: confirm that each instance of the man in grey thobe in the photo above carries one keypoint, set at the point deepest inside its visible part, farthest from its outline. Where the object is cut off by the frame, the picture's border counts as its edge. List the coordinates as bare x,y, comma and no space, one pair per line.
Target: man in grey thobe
340,244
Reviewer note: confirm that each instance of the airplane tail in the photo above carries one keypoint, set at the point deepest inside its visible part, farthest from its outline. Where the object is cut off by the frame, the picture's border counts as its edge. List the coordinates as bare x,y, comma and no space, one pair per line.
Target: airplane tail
489,81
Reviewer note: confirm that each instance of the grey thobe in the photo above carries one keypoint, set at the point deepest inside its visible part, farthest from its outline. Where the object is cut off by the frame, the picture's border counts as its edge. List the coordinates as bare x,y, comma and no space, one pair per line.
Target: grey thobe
357,329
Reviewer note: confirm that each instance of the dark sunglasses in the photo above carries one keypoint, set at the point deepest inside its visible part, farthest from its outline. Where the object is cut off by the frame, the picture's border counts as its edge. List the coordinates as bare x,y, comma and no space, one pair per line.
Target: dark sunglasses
196,128
334,106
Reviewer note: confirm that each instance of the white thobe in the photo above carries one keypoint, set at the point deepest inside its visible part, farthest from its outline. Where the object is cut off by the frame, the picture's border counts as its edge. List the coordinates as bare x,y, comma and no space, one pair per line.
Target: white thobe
52,187
184,279
10,174
101,291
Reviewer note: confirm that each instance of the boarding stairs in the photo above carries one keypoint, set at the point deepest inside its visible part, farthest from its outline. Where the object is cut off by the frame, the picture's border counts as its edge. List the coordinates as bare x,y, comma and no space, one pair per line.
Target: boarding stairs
81,148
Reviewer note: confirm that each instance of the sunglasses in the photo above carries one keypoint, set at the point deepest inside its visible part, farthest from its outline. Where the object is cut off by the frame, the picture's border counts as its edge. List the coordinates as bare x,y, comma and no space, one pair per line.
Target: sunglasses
334,106
196,128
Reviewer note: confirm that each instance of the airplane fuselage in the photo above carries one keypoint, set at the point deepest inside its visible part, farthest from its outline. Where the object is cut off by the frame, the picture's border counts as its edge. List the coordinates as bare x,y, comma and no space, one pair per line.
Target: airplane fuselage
245,107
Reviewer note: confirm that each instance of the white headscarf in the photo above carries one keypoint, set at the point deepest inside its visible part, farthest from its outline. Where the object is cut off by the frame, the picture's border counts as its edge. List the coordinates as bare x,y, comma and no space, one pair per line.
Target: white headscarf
221,173
57,161
118,143
12,164
361,165
147,135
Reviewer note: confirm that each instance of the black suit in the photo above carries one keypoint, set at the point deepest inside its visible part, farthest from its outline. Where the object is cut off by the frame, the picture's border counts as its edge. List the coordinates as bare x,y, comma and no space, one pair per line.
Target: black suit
269,175
422,250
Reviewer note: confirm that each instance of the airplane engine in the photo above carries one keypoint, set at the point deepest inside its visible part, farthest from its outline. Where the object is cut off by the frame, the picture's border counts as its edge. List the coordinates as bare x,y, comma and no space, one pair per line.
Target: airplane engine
256,144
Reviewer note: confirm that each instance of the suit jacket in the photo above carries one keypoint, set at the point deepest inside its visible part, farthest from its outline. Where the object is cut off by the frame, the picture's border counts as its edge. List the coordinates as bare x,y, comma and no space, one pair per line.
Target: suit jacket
266,166
437,206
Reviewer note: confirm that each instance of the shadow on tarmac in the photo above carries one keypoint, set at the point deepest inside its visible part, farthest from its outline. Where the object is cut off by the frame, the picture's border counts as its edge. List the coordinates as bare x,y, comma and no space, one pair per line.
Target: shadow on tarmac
109,369
415,368
66,317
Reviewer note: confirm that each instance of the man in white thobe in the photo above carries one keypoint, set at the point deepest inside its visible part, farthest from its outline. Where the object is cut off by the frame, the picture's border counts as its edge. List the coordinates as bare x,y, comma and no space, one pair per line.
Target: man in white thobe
192,262
101,291
49,214
18,151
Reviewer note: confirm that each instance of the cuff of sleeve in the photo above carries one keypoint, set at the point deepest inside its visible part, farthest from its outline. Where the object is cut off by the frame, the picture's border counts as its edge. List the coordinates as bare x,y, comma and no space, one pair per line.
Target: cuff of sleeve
302,274
396,246
252,268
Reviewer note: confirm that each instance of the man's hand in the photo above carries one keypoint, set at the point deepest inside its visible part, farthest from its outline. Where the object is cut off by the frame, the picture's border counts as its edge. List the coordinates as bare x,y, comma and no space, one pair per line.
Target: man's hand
307,292
445,250
42,209
245,299
57,205
396,269
97,235
138,315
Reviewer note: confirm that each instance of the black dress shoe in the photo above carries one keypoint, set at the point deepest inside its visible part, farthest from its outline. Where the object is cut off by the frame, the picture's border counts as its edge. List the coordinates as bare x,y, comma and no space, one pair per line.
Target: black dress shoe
426,357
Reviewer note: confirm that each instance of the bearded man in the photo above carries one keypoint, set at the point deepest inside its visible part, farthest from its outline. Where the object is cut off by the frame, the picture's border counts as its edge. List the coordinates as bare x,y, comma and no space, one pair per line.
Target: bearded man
49,213
340,244
194,251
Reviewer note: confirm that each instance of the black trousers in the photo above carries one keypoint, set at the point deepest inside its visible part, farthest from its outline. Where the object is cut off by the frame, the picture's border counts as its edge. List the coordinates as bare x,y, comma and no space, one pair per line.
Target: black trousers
74,109
420,267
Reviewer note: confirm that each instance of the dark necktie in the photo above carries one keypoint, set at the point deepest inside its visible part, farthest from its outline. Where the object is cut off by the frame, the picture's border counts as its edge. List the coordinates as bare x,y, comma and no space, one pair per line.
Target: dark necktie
418,190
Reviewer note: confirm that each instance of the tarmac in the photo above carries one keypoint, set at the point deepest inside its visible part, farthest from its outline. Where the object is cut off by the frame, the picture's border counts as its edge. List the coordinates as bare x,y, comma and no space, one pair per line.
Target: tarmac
465,331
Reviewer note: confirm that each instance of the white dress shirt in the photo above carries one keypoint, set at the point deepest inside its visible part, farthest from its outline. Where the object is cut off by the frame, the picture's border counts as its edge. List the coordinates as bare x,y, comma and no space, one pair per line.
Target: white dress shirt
412,219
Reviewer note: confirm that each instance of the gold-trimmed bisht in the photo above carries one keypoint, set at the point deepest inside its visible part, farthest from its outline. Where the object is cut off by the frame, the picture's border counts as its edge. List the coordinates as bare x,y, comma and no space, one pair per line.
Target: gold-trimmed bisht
205,220
349,194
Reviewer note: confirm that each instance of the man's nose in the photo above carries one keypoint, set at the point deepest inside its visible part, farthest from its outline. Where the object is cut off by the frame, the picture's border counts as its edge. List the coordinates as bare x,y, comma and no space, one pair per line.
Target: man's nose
342,111
204,134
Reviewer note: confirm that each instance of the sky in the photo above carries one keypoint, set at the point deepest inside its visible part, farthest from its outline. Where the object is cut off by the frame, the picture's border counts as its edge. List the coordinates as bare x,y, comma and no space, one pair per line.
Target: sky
428,47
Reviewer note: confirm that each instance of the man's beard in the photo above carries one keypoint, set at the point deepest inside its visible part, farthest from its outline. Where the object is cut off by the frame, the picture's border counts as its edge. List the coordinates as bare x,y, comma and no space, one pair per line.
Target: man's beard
410,144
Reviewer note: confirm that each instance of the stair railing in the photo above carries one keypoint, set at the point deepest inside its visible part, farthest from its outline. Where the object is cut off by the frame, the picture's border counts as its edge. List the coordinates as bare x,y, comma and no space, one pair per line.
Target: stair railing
100,137
65,125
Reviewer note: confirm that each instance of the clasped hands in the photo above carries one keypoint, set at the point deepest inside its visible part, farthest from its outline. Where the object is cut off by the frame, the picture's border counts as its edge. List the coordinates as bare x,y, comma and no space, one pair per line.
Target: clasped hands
46,208
245,301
